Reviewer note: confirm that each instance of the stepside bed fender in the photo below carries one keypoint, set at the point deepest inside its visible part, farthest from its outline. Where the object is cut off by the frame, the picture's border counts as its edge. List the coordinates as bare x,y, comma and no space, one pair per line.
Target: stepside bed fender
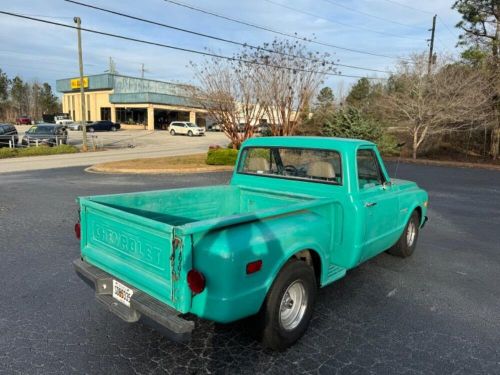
223,254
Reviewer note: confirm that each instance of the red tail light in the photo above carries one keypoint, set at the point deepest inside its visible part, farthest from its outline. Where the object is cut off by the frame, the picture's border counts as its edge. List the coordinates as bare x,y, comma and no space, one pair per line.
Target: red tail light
196,281
254,266
77,230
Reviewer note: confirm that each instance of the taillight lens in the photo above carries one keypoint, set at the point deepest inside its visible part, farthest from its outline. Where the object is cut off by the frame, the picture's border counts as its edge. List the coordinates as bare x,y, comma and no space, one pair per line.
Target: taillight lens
77,230
196,281
254,267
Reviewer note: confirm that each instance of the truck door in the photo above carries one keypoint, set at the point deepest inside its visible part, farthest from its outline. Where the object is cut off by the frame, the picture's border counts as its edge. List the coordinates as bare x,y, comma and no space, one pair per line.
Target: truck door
379,201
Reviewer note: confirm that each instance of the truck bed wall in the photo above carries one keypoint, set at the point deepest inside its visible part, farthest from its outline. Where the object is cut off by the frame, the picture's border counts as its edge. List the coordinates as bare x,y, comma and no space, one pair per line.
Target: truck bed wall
180,207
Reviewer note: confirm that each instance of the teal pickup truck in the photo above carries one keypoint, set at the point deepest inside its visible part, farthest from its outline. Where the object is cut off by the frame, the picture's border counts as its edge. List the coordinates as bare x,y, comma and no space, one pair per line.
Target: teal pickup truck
299,212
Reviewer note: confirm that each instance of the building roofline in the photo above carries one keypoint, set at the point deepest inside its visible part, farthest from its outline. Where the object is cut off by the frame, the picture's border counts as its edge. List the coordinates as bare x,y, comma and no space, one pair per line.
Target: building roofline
127,76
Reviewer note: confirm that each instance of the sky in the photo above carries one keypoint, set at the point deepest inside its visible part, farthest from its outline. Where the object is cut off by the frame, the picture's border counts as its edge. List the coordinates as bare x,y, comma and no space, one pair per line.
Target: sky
395,28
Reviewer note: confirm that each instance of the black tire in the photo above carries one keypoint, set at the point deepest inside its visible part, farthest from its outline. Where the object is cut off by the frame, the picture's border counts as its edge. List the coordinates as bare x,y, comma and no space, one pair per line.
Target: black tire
190,133
270,328
406,246
113,128
91,130
172,132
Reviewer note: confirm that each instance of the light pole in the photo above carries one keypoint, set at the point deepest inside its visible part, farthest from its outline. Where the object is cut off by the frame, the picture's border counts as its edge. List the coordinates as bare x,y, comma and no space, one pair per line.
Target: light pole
78,22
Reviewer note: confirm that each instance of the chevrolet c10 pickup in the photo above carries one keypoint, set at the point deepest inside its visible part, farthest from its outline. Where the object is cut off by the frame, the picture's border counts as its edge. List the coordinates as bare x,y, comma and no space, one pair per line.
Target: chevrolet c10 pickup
298,214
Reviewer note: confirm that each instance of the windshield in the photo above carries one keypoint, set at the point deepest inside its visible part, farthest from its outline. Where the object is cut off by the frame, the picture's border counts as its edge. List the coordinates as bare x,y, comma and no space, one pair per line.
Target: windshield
292,163
191,125
47,129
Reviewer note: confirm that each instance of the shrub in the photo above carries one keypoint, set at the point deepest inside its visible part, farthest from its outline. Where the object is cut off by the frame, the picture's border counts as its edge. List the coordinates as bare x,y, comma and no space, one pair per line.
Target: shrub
222,156
350,122
387,145
36,151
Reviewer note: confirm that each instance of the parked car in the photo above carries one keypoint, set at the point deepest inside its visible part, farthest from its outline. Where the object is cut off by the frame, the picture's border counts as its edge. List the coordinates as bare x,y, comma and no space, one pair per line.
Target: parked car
8,135
298,214
45,134
63,120
214,127
185,127
23,120
78,125
103,125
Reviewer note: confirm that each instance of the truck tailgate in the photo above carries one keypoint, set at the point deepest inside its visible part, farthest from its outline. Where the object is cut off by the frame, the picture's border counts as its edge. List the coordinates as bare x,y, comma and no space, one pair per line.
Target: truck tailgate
138,250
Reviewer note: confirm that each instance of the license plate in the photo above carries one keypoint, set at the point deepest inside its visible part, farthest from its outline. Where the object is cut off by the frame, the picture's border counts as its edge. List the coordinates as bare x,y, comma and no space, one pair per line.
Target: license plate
122,293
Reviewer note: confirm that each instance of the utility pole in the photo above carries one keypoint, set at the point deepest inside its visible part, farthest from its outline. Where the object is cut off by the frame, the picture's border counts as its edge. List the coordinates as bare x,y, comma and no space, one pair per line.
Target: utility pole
112,66
431,49
78,22
143,71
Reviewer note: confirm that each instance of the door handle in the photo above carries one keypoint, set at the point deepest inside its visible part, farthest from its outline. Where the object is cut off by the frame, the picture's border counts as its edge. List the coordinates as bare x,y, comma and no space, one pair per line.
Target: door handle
370,204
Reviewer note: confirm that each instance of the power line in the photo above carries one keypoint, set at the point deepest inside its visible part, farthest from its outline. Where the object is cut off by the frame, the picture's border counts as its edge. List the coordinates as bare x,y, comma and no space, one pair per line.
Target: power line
338,22
157,44
372,15
44,16
282,33
408,6
215,37
446,26
423,11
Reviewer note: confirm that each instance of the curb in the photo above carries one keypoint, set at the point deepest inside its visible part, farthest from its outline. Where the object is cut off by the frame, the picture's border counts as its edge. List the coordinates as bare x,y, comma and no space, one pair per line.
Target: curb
443,163
104,170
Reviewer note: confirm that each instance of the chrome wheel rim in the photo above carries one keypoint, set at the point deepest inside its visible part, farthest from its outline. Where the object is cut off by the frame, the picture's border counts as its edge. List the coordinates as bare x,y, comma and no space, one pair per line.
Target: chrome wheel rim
293,305
411,233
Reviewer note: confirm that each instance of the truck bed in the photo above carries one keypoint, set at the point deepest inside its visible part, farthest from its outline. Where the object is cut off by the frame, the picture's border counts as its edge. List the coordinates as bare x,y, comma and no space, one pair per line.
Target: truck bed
181,207
133,236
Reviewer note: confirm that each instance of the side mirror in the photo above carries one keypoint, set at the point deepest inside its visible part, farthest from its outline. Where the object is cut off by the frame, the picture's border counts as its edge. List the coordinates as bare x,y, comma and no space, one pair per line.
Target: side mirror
386,185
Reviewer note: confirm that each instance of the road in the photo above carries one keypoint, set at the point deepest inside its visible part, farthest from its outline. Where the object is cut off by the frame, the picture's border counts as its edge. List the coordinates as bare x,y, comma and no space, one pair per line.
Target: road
147,145
437,312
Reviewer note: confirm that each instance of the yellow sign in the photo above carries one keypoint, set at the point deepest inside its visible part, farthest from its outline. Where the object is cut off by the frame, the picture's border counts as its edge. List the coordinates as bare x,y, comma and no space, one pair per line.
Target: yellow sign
75,83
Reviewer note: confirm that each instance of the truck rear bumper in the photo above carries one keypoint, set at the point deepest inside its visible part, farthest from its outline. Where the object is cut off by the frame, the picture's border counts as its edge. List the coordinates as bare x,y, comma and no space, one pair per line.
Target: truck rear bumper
142,306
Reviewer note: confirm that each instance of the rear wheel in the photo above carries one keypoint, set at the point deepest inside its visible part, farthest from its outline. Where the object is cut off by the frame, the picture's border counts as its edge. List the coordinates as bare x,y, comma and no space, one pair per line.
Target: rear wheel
113,128
288,307
172,132
408,241
190,133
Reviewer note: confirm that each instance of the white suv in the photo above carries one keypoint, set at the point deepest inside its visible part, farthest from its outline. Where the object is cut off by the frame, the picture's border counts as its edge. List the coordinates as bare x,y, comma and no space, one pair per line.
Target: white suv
185,127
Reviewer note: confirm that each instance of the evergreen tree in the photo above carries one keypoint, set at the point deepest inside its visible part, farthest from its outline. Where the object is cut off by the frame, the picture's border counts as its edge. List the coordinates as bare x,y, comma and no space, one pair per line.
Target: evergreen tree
359,93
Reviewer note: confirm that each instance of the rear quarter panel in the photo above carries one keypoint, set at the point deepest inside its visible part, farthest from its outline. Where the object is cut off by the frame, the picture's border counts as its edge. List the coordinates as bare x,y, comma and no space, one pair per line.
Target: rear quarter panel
222,257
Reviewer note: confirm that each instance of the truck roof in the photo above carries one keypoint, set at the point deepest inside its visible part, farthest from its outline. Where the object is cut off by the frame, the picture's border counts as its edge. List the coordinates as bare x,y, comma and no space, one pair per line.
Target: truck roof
309,142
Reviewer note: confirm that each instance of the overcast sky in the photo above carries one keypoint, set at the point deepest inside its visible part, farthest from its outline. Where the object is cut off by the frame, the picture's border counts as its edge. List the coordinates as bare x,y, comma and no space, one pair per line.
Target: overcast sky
44,52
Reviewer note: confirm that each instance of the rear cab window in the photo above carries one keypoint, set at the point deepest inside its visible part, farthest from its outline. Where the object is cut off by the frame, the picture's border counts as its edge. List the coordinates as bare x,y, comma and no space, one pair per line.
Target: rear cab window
369,171
315,165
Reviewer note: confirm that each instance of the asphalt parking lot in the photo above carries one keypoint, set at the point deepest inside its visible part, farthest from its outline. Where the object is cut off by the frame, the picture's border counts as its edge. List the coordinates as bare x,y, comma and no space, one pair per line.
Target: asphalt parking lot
437,312
126,138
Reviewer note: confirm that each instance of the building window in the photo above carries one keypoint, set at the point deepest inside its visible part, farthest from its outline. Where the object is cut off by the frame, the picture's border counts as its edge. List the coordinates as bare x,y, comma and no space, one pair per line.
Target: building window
134,116
106,113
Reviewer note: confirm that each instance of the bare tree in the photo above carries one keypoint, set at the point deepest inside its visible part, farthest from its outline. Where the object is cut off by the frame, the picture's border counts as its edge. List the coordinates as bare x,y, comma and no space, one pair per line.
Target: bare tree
274,82
451,98
229,92
286,93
